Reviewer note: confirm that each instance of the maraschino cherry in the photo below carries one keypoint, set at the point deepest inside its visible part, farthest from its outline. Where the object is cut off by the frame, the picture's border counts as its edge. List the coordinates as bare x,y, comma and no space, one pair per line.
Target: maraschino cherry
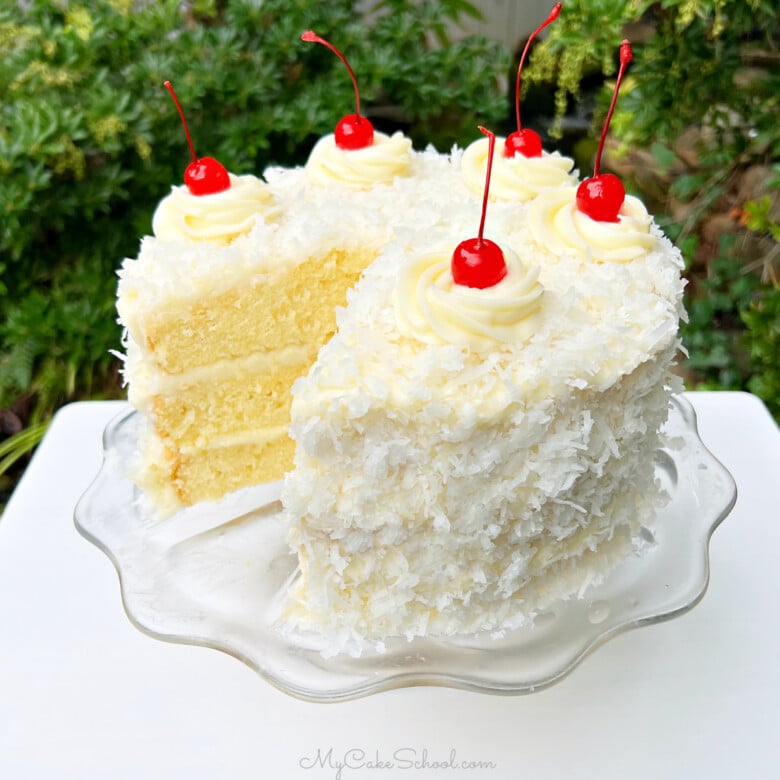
479,262
204,175
352,131
601,197
525,141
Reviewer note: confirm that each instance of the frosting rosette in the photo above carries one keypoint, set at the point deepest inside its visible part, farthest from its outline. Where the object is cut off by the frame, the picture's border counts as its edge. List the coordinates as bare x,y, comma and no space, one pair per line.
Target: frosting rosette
386,158
516,178
432,308
561,227
219,217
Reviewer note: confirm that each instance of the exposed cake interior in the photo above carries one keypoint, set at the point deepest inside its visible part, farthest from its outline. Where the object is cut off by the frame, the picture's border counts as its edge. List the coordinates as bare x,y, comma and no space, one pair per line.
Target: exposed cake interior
213,374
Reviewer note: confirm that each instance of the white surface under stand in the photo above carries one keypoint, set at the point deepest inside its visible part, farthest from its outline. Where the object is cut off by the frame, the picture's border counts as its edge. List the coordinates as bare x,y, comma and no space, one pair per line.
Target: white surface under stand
83,694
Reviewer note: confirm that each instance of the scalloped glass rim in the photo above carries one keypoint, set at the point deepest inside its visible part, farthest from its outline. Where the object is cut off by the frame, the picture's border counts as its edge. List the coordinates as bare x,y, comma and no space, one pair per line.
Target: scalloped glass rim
212,575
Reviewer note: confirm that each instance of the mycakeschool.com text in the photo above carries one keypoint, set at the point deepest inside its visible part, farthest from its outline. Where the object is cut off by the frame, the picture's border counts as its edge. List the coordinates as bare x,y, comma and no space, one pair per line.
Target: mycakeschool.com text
339,764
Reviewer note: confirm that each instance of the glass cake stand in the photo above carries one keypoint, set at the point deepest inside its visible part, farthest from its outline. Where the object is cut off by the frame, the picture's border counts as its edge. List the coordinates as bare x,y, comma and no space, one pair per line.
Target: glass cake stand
213,575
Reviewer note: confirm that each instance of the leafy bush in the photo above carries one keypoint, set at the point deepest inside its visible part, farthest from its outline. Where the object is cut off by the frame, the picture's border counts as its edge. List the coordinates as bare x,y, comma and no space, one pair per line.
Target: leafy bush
686,51
697,118
714,331
89,140
762,319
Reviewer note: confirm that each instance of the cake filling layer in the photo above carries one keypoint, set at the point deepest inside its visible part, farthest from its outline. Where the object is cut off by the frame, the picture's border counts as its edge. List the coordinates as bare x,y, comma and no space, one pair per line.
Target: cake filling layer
175,478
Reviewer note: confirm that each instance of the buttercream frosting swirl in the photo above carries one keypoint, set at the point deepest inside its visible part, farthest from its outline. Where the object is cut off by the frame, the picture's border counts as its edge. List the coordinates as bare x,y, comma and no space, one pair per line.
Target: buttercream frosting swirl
218,218
432,308
386,158
559,225
517,178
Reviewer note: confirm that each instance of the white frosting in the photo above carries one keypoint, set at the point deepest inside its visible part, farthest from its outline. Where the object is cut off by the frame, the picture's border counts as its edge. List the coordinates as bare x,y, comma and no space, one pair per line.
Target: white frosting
559,225
387,158
145,380
433,309
517,178
478,487
312,221
597,322
216,218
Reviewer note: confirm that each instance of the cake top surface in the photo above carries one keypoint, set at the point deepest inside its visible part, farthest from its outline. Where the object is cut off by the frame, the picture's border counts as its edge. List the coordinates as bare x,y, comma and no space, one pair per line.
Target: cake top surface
294,219
597,299
595,321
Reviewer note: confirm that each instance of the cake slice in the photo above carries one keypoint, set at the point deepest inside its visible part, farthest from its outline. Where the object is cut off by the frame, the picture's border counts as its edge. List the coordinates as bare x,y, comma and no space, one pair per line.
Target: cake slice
465,457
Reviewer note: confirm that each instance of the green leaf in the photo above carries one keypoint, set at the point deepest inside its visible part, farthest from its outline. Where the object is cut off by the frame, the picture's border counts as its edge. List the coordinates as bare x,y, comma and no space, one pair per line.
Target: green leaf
663,155
18,445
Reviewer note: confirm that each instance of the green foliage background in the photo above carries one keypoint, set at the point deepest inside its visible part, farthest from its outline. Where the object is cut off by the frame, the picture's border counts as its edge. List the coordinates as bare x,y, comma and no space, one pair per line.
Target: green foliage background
89,143
711,67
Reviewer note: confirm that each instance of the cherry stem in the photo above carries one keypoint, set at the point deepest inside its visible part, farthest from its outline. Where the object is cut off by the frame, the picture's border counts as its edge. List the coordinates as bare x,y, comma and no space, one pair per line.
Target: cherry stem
556,9
312,37
167,85
491,146
626,55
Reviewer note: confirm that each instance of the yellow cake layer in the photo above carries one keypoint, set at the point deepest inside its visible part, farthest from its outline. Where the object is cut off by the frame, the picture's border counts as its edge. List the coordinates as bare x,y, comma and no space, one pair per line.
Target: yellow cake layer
297,307
177,479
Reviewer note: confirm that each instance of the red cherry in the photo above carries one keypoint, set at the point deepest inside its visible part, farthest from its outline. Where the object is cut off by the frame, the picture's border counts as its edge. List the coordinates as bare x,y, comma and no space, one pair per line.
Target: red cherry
206,176
352,131
527,142
479,262
601,197
203,176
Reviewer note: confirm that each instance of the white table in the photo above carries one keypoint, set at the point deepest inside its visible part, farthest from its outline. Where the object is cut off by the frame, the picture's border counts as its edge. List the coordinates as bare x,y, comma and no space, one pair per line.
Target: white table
83,694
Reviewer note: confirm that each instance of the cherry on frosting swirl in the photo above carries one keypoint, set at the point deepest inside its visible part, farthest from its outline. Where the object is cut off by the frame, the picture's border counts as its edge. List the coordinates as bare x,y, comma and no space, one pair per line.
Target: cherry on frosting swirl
386,158
559,226
432,308
517,178
218,217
